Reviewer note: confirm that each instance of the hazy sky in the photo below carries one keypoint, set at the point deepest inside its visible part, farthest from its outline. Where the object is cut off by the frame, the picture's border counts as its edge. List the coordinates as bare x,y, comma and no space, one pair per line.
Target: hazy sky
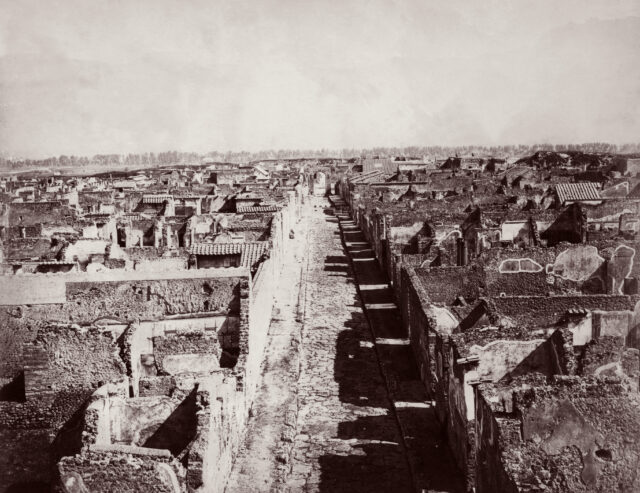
85,77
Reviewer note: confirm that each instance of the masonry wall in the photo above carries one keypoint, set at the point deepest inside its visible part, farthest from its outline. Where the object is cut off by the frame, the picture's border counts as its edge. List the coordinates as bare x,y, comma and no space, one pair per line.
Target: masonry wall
122,469
25,459
62,367
444,284
571,423
460,430
419,326
124,301
232,391
225,422
263,288
491,476
194,352
547,310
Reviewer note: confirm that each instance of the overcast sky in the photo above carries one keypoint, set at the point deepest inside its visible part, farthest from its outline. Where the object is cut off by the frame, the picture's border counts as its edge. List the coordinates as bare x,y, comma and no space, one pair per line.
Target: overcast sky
86,77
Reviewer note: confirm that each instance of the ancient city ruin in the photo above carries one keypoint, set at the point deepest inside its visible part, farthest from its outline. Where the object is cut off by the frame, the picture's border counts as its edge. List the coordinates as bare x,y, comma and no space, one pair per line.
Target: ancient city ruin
319,246
365,324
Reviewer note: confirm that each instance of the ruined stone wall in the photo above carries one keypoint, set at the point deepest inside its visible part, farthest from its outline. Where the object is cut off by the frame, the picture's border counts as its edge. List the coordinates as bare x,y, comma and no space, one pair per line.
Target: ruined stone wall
444,284
24,460
608,356
543,311
62,367
17,237
378,238
184,353
587,419
570,434
263,288
122,469
86,302
490,473
399,260
156,385
75,358
601,268
95,199
31,213
221,429
49,288
418,326
452,401
128,301
140,254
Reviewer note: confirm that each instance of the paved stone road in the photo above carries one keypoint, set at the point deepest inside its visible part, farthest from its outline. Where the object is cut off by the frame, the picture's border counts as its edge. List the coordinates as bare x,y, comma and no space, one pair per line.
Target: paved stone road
356,428
348,438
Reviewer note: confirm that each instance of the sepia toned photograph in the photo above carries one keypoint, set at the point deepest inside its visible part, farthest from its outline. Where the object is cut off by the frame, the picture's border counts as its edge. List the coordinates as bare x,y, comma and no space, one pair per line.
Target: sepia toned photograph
319,246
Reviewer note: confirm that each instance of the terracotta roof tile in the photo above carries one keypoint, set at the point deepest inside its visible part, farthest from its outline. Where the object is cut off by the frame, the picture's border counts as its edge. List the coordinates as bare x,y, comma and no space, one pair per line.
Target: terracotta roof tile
256,209
155,199
251,251
577,191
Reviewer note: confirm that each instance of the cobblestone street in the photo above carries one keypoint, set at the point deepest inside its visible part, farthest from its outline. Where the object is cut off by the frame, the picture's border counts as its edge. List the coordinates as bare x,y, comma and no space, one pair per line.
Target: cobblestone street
348,438
335,411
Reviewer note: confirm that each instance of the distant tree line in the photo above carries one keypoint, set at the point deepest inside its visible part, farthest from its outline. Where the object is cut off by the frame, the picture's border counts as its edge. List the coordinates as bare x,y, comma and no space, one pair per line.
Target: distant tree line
185,158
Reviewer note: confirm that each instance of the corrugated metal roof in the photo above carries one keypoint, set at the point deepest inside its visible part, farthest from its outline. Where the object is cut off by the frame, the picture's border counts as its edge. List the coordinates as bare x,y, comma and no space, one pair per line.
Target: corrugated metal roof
572,192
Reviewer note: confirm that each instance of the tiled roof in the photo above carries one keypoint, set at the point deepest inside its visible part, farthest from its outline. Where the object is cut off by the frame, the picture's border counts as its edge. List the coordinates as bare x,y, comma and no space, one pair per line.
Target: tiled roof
216,248
577,191
251,251
133,216
385,165
155,199
371,177
256,208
